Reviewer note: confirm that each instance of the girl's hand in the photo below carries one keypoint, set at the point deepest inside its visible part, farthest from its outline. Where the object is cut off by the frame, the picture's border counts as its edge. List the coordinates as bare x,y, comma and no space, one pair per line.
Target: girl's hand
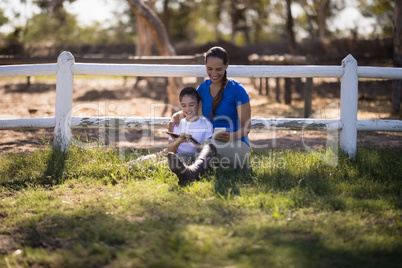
183,137
186,137
173,145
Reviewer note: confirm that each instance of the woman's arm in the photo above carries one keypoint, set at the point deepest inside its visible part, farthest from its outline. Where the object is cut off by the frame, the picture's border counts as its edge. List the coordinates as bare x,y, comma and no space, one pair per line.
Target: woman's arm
175,120
244,113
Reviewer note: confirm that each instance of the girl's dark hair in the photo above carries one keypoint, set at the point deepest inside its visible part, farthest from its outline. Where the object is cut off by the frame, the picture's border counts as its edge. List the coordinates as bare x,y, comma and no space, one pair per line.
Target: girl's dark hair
190,91
218,52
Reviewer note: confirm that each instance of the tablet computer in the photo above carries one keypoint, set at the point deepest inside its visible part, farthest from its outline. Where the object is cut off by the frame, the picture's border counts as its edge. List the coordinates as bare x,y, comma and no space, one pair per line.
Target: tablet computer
175,135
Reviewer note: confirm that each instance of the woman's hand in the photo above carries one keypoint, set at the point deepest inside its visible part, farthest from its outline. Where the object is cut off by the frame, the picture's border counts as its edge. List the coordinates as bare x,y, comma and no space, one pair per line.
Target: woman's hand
223,136
244,113
175,120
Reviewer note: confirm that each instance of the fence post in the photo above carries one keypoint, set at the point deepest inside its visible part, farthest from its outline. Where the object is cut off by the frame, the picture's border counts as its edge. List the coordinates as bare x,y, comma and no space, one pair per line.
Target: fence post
64,101
349,91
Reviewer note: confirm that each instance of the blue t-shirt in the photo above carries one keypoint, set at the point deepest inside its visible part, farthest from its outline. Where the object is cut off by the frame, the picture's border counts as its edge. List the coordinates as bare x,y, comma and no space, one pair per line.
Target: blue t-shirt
226,114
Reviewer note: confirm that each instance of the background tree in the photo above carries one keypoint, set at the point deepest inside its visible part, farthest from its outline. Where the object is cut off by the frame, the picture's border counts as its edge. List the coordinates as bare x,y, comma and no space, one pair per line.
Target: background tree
52,29
151,20
144,42
383,13
162,42
238,13
258,19
180,19
317,14
396,96
292,48
3,18
289,28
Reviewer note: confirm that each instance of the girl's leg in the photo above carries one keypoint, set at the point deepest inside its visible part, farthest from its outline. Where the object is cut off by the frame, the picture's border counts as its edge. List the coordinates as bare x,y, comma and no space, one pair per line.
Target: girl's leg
187,158
192,172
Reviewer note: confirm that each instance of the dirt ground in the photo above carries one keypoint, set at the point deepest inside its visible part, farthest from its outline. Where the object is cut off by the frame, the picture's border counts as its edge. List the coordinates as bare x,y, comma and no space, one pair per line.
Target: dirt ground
118,96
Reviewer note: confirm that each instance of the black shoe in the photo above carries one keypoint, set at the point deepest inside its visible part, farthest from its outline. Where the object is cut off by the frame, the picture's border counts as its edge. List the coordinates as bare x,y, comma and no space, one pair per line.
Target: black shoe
179,168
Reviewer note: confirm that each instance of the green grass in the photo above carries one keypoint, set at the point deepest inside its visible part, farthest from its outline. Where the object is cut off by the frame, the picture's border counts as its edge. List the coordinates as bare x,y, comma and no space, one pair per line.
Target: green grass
90,208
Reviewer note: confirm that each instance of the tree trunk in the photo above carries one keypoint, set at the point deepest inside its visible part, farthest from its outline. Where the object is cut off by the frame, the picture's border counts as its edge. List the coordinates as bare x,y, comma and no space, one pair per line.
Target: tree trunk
292,48
149,18
158,31
239,21
144,43
396,94
144,39
322,27
166,16
289,28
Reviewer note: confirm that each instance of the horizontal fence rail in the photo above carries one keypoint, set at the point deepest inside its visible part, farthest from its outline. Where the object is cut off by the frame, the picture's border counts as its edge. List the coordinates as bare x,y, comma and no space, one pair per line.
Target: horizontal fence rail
27,123
162,122
199,70
379,72
66,68
28,70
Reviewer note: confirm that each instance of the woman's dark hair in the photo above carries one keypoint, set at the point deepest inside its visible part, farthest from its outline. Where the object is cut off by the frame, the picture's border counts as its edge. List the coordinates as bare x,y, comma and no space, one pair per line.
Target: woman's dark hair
218,52
190,91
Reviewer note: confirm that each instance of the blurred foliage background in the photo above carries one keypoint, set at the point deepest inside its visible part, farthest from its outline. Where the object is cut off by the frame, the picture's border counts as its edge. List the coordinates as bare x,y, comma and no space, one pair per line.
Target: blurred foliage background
192,22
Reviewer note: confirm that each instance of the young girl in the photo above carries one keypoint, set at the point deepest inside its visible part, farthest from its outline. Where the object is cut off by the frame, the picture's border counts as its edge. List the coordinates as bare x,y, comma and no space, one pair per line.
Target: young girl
192,128
186,139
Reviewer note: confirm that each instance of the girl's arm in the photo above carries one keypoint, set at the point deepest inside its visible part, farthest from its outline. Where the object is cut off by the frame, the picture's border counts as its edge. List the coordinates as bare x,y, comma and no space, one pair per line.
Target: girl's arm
173,145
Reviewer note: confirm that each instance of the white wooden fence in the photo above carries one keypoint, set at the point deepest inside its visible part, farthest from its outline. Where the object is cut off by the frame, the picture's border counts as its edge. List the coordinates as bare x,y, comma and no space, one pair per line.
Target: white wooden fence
66,68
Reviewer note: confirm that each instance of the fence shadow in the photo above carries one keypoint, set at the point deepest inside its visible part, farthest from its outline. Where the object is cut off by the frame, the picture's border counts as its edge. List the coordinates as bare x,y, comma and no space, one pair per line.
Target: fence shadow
44,168
29,88
53,174
370,90
152,88
91,241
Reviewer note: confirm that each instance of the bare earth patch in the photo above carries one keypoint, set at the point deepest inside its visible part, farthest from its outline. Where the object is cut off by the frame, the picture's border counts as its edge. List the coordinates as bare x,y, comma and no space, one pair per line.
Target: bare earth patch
94,96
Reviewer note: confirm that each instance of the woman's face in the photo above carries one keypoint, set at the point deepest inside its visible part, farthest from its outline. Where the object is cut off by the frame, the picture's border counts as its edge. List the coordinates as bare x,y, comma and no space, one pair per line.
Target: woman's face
215,69
189,106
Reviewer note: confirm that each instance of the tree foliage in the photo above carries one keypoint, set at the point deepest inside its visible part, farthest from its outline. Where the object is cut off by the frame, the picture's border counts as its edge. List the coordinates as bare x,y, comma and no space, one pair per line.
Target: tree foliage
383,13
239,21
3,18
317,14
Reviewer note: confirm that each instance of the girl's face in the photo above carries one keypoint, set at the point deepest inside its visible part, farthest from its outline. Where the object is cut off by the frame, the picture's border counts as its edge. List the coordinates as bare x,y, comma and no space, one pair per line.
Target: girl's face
215,69
189,106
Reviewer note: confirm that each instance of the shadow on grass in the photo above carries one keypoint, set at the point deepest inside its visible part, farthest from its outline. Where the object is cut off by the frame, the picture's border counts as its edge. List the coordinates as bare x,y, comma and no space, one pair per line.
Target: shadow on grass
56,162
273,175
371,175
228,181
44,167
179,230
164,236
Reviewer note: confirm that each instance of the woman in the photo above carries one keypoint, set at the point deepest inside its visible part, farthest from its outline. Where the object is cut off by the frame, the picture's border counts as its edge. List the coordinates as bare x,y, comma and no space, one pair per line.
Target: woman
226,104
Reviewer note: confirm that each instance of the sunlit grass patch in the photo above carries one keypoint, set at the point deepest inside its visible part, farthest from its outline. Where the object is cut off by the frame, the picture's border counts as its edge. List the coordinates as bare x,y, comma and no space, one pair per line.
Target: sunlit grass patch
95,207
